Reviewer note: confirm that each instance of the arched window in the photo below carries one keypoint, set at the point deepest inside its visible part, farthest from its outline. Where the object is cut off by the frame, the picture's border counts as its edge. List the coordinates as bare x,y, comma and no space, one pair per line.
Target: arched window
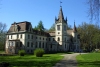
58,39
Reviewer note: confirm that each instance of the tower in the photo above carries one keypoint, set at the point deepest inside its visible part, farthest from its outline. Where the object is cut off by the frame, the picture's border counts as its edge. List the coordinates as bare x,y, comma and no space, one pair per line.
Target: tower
61,30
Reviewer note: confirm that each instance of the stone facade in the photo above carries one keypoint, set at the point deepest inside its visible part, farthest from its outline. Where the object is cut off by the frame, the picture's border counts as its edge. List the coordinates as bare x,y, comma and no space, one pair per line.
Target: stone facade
22,36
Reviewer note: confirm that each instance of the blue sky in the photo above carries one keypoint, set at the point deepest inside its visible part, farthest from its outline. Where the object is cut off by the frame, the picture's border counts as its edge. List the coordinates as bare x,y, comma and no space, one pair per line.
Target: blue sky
45,10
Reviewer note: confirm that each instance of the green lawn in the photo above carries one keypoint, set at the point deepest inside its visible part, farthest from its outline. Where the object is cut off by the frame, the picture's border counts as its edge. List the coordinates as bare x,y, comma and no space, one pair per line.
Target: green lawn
31,61
89,60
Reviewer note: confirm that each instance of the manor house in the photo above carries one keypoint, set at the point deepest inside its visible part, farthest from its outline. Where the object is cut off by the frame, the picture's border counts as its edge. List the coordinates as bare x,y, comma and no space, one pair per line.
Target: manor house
22,36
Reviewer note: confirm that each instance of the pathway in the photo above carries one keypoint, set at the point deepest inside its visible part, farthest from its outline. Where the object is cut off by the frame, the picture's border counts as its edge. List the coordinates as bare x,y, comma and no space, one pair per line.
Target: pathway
69,60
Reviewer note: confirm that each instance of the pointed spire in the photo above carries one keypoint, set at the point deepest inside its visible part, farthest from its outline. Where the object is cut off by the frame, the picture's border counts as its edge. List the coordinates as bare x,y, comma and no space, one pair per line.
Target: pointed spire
61,16
55,18
66,19
74,29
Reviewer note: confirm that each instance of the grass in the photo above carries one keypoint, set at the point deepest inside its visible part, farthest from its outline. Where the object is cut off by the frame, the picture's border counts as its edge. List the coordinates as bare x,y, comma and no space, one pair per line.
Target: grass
48,60
89,60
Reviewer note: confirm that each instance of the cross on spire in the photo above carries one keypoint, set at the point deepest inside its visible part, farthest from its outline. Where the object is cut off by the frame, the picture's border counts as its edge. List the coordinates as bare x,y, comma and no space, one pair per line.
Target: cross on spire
60,4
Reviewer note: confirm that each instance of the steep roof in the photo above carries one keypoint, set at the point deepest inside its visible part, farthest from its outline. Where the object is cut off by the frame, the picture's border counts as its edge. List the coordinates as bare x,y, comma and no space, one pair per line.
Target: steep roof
60,16
21,26
74,29
69,32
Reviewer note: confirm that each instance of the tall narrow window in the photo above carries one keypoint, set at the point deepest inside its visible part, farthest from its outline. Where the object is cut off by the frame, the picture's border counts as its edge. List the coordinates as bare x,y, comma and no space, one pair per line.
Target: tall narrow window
65,39
8,36
58,39
43,45
16,44
27,44
12,44
49,39
58,27
11,36
51,45
36,45
28,36
21,36
39,44
20,44
32,44
64,27
32,37
65,45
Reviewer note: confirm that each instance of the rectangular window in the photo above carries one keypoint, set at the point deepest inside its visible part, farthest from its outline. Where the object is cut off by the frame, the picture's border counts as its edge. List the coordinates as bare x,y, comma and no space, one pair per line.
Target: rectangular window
11,36
32,37
64,27
58,27
28,36
49,39
21,36
16,44
36,37
31,44
51,46
27,44
43,45
20,44
8,36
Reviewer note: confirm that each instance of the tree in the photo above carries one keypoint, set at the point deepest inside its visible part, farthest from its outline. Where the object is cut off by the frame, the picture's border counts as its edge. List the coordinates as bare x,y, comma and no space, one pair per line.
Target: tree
40,26
2,35
94,9
52,28
89,35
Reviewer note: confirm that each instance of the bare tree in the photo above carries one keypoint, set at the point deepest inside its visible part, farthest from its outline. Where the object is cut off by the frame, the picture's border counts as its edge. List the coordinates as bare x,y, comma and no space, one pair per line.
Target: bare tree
2,35
94,9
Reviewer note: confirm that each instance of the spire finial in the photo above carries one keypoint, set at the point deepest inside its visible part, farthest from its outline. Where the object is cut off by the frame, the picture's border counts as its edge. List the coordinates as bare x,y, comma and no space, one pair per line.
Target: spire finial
60,4
75,30
66,19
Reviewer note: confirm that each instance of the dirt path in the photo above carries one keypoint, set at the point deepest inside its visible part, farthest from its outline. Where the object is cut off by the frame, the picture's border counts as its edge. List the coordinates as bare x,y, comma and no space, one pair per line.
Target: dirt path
69,60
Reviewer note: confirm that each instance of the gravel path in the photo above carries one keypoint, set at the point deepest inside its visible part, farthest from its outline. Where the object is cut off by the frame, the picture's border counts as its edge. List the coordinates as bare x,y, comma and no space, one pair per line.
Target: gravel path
69,60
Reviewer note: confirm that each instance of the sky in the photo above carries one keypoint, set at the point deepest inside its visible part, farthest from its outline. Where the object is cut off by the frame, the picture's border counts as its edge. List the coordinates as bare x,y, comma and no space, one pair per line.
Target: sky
45,10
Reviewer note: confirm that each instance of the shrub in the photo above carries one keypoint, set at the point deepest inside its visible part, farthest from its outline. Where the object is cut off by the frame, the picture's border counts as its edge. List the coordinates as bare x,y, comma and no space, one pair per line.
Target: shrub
21,52
39,52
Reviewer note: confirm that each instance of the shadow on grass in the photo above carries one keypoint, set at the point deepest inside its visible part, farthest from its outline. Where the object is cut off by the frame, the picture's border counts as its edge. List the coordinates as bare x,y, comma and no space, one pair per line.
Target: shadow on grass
92,63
